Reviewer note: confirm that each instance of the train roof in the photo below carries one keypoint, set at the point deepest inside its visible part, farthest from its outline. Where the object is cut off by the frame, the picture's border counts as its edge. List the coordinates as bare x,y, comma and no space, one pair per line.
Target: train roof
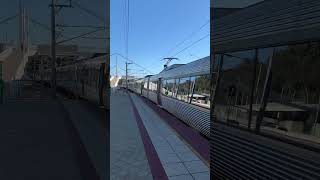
268,23
198,67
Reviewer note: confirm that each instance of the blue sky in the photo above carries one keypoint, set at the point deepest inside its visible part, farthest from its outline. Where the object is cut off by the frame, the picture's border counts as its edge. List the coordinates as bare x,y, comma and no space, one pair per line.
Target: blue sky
157,26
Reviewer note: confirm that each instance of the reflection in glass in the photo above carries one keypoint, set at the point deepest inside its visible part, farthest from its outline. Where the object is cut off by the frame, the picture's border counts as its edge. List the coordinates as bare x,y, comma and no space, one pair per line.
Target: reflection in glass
183,89
293,103
145,85
233,96
201,91
291,95
169,88
153,85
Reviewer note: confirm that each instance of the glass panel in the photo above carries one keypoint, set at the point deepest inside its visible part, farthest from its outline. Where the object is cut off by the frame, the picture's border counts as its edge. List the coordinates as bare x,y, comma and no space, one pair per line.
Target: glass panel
153,86
164,89
170,88
192,88
294,96
183,89
233,96
201,92
137,85
145,85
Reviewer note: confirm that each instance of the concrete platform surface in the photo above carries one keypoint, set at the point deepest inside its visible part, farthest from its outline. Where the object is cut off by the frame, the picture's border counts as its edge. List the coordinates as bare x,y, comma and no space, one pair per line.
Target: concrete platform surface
177,157
128,157
90,123
36,143
144,146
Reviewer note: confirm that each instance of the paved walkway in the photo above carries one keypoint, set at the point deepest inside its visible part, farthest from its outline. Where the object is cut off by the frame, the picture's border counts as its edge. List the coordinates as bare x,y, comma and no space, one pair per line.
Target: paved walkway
127,153
130,151
176,156
36,143
45,139
90,123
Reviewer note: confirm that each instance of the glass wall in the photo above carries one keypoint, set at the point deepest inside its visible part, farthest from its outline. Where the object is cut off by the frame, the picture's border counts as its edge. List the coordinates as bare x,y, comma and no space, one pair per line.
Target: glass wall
271,90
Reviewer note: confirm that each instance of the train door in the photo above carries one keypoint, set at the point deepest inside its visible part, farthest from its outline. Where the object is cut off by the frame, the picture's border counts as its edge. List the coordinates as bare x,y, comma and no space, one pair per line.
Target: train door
159,92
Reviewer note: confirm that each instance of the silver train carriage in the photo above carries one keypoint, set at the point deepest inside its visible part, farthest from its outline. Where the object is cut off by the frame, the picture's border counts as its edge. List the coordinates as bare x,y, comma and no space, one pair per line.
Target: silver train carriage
266,102
183,90
85,79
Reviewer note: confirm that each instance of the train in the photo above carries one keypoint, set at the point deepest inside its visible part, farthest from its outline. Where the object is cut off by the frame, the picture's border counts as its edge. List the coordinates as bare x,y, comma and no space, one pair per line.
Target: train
182,90
265,107
86,78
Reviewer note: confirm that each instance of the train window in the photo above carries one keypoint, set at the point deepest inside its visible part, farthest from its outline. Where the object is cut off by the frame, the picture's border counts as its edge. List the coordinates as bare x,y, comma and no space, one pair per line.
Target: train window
170,88
284,78
234,94
201,91
164,89
153,86
293,101
145,84
138,85
184,89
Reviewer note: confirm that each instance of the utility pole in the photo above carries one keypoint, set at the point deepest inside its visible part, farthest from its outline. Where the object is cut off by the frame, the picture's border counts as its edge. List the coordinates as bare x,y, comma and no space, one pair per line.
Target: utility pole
127,73
53,49
53,44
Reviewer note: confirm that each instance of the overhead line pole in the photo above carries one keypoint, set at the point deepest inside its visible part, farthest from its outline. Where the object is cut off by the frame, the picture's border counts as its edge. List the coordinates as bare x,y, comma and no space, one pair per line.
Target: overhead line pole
53,44
127,73
53,49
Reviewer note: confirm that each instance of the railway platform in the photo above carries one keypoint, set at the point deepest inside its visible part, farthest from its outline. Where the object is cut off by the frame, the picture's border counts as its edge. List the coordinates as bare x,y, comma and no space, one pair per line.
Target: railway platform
43,138
149,143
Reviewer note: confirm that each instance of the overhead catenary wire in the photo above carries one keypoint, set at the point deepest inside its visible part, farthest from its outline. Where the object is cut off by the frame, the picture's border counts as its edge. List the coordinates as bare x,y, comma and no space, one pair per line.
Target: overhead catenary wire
186,38
79,36
126,30
84,36
184,49
192,44
88,11
128,25
133,62
8,19
190,36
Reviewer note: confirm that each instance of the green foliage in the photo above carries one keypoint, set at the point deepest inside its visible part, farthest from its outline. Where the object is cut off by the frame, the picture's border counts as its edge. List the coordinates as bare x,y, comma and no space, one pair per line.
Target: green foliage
202,84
